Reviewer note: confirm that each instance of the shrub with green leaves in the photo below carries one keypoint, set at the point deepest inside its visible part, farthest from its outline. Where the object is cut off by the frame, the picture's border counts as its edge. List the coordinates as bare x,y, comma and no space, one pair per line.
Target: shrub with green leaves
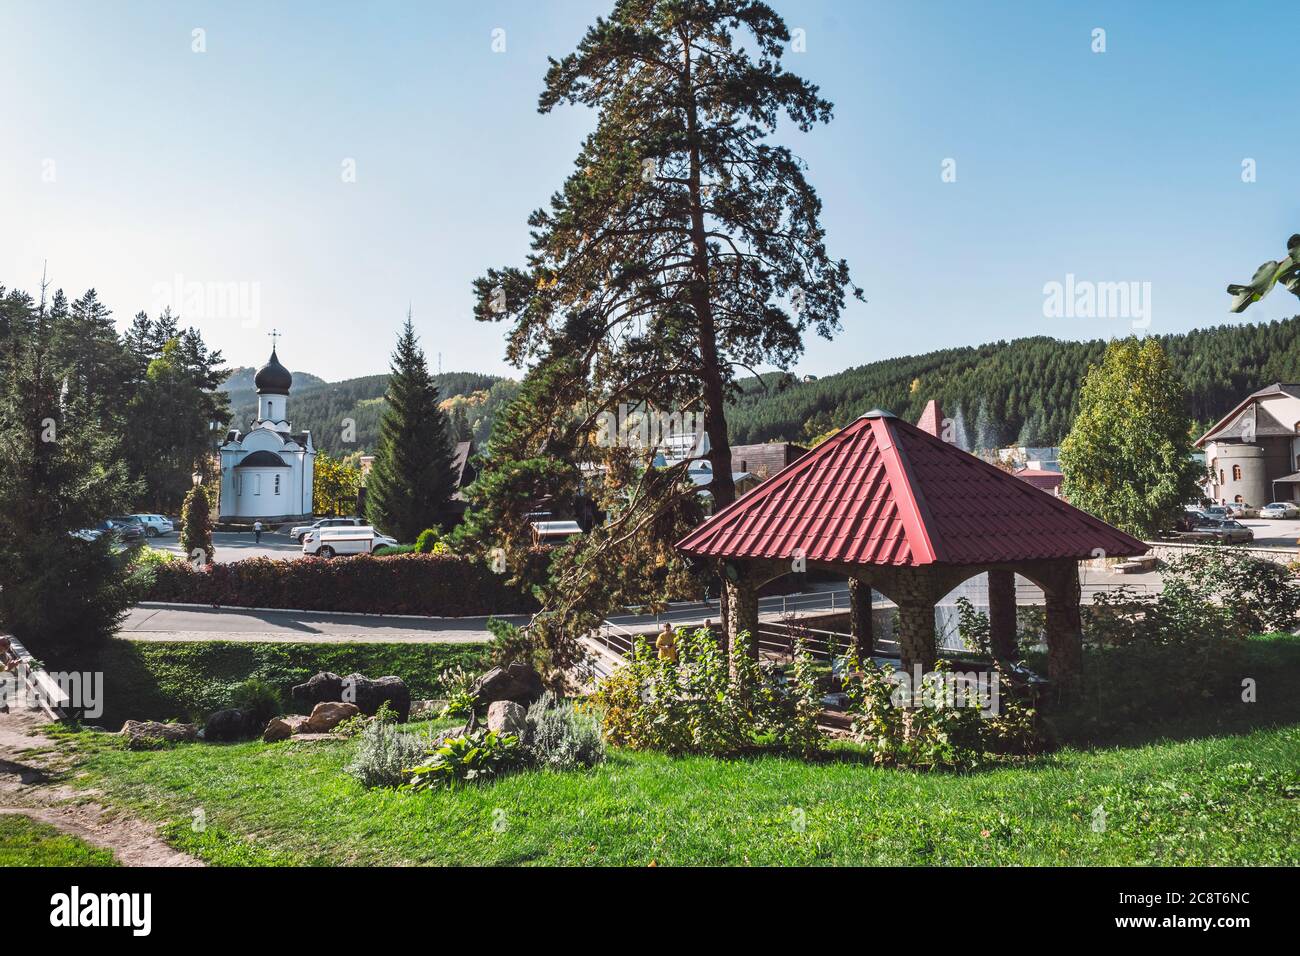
430,541
467,758
561,737
1208,595
384,754
943,731
457,686
259,699
972,626
696,705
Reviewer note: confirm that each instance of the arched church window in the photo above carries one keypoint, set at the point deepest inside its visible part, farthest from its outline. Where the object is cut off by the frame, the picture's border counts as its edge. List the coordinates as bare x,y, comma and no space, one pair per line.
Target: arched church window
1222,481
277,484
1236,472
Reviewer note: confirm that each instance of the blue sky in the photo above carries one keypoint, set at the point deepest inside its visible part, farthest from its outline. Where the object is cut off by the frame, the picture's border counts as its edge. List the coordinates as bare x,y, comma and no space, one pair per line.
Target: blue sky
137,166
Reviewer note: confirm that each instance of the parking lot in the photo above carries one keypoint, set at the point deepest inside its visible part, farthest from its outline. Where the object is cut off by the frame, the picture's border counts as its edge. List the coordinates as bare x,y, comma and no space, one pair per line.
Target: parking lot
237,545
1272,533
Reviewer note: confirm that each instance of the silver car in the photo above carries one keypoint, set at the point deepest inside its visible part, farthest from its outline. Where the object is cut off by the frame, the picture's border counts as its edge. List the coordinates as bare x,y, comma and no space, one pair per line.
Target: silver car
1280,509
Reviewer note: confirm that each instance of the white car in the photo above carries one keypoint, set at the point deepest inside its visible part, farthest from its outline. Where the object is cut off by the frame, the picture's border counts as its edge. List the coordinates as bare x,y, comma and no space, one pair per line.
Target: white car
1280,509
300,532
155,525
347,539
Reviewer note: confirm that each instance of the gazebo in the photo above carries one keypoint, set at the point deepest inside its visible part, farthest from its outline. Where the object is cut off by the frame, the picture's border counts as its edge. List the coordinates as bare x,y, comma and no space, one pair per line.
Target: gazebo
894,508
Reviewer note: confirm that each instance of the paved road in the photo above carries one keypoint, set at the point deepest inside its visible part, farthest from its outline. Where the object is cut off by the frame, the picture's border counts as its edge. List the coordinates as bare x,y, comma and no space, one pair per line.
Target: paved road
159,622
154,622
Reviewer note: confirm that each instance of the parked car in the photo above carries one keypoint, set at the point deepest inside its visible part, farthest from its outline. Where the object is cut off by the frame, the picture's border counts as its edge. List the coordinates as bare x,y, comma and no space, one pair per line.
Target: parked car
326,542
155,525
1239,509
1280,509
300,532
1224,532
1216,512
125,527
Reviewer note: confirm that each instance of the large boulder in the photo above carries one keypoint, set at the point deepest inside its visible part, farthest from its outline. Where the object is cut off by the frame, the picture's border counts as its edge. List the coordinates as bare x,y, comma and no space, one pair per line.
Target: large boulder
320,687
282,728
506,717
327,715
369,693
517,682
228,725
145,733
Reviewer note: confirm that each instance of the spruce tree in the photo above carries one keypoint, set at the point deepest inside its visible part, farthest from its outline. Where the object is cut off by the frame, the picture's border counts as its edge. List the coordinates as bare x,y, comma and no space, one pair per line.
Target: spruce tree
196,526
411,480
60,472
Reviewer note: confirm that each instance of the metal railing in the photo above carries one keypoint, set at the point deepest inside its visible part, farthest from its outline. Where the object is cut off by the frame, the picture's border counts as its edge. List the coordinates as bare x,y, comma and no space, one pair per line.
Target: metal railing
35,686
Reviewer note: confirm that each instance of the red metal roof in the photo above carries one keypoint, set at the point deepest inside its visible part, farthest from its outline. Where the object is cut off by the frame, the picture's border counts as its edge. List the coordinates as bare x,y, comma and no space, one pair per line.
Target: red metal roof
883,492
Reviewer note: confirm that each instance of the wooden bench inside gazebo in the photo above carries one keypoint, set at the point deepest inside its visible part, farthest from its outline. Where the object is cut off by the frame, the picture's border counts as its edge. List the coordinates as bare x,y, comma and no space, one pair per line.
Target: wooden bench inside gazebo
893,507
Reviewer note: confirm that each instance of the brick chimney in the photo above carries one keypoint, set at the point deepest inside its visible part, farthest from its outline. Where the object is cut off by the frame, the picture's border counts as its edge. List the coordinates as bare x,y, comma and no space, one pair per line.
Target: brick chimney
931,419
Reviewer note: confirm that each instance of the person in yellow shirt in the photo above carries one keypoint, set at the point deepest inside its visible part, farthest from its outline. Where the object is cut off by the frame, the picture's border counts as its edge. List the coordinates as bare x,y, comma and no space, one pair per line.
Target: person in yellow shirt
666,642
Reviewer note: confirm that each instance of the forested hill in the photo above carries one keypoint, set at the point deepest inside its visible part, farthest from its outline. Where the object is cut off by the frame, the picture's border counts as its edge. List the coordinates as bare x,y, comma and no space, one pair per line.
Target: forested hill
325,407
1022,392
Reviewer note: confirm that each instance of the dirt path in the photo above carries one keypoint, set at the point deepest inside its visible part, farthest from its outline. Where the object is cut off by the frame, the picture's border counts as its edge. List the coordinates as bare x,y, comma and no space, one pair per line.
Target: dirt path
29,786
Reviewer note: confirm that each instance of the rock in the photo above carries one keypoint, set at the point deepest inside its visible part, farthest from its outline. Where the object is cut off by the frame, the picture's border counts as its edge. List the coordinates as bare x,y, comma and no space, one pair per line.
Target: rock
517,682
327,715
506,717
368,694
282,728
227,725
320,687
142,733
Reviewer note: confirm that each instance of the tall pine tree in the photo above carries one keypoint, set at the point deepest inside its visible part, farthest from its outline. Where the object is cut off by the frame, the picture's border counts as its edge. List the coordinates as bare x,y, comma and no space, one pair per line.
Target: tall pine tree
685,248
412,478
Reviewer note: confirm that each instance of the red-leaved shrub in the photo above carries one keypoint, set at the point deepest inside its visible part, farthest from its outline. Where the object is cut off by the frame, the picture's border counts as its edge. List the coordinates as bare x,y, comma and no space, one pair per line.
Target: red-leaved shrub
433,584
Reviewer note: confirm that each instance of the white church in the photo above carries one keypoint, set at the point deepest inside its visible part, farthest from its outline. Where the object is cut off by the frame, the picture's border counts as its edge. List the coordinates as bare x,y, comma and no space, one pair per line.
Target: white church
268,471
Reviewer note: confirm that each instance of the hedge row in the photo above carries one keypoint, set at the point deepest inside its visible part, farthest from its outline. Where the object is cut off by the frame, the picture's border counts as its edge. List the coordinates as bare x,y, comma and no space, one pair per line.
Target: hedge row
187,680
432,584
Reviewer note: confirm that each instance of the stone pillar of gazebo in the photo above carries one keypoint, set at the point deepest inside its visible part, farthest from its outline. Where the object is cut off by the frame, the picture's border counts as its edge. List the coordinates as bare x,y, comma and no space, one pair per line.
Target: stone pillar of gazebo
1002,614
1064,626
742,608
915,591
860,622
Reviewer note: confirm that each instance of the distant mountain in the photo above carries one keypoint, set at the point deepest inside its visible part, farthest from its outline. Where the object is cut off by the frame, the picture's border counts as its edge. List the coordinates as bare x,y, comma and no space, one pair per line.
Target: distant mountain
1021,392
326,408
242,392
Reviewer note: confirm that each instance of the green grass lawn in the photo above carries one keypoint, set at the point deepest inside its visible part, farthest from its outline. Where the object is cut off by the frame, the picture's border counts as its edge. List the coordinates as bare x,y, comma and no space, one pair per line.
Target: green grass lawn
1186,781
1216,801
28,842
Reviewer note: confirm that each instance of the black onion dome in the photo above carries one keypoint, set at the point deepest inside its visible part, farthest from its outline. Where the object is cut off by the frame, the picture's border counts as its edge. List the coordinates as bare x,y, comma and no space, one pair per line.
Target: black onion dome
273,378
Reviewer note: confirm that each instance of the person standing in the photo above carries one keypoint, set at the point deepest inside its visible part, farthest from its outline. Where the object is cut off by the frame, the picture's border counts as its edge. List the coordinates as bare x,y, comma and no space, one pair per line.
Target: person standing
257,532
666,642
